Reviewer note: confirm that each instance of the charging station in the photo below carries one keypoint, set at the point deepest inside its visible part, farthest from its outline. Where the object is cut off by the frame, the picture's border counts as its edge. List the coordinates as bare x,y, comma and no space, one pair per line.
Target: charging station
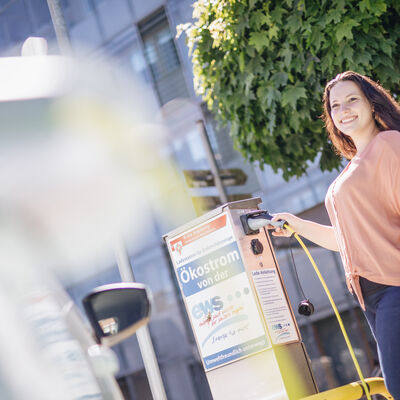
243,323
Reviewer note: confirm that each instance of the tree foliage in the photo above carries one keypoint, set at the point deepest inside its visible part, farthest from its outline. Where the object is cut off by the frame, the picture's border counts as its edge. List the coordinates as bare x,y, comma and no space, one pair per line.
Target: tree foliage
261,66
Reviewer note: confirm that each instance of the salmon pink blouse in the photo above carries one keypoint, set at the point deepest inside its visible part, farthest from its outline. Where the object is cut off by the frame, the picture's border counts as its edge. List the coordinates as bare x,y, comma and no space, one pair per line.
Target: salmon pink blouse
363,204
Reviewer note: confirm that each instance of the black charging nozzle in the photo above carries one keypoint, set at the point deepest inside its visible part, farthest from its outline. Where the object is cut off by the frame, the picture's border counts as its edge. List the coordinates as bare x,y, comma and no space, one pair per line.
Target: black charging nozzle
253,221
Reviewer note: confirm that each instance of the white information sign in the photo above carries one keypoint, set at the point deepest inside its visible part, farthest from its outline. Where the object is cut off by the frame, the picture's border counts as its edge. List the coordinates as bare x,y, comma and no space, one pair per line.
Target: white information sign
274,304
217,292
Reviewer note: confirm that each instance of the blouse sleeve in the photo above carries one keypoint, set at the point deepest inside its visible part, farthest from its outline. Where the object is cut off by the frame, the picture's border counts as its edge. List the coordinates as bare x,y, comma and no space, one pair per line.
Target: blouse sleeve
392,156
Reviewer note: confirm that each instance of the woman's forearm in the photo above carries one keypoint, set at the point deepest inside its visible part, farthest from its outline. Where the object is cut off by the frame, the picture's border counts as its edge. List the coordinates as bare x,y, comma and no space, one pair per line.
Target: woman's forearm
322,235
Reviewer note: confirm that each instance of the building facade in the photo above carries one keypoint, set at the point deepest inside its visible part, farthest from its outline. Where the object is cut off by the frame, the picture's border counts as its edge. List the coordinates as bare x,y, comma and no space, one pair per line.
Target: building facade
140,37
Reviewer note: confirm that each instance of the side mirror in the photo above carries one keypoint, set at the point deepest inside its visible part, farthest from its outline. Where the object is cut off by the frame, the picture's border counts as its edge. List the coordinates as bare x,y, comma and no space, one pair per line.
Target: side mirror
117,311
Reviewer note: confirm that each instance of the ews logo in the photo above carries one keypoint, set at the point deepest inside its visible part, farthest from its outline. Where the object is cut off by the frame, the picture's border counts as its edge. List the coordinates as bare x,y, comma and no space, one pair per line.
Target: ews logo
201,310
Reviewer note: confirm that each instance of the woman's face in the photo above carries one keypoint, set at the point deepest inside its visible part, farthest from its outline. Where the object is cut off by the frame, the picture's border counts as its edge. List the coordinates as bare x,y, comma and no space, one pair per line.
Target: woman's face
351,112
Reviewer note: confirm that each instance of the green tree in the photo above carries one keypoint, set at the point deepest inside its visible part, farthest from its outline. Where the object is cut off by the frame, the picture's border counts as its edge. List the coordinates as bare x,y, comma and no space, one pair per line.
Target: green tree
261,67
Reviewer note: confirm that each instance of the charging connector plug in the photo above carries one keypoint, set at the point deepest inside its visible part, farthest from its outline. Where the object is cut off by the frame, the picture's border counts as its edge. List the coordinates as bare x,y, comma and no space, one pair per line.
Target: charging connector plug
253,221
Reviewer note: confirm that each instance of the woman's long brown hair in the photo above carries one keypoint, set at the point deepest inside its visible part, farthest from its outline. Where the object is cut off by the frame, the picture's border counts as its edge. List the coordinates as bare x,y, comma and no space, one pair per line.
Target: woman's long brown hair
386,110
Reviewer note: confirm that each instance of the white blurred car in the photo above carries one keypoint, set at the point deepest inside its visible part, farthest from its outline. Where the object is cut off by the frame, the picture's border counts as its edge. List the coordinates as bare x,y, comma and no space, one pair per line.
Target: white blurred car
46,350
68,161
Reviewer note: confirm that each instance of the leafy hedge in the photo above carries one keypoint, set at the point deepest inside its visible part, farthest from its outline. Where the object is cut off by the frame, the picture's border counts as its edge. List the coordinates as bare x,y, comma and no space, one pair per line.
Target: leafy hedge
261,66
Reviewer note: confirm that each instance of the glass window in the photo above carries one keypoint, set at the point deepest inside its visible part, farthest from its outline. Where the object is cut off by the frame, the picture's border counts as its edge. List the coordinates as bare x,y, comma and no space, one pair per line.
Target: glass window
15,22
20,19
75,10
4,3
334,366
138,62
162,58
39,11
132,60
189,150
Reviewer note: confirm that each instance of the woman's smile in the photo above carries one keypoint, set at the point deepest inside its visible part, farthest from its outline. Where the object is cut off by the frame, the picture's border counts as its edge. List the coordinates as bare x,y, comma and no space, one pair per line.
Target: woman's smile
348,120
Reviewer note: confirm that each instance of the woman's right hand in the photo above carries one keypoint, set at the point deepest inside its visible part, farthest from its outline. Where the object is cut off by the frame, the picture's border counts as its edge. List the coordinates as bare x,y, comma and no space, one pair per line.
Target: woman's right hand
293,221
322,235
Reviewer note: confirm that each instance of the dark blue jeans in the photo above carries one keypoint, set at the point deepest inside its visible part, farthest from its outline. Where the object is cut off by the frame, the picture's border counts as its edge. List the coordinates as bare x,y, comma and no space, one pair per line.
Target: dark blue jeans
383,315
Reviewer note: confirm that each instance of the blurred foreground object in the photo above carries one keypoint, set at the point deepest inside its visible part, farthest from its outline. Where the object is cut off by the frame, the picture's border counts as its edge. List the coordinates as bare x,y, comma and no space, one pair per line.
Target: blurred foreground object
78,164
118,310
79,156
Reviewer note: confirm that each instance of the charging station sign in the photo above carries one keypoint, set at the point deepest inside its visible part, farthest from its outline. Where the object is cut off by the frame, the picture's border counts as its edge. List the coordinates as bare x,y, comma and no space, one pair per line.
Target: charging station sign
217,293
281,326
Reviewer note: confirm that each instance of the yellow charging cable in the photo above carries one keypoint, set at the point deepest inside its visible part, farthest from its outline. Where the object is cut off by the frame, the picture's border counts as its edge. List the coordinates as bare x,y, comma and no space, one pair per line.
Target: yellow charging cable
346,338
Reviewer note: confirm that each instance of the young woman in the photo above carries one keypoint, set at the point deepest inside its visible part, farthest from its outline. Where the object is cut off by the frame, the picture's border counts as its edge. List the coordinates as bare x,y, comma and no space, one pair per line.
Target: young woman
363,203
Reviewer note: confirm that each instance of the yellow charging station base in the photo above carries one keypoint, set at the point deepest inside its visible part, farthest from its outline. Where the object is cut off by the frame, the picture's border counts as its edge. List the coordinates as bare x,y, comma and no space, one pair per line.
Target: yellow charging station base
353,391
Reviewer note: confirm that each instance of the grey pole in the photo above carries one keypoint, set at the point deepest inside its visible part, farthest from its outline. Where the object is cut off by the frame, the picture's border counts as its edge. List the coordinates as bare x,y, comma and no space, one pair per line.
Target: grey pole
60,27
212,162
143,335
